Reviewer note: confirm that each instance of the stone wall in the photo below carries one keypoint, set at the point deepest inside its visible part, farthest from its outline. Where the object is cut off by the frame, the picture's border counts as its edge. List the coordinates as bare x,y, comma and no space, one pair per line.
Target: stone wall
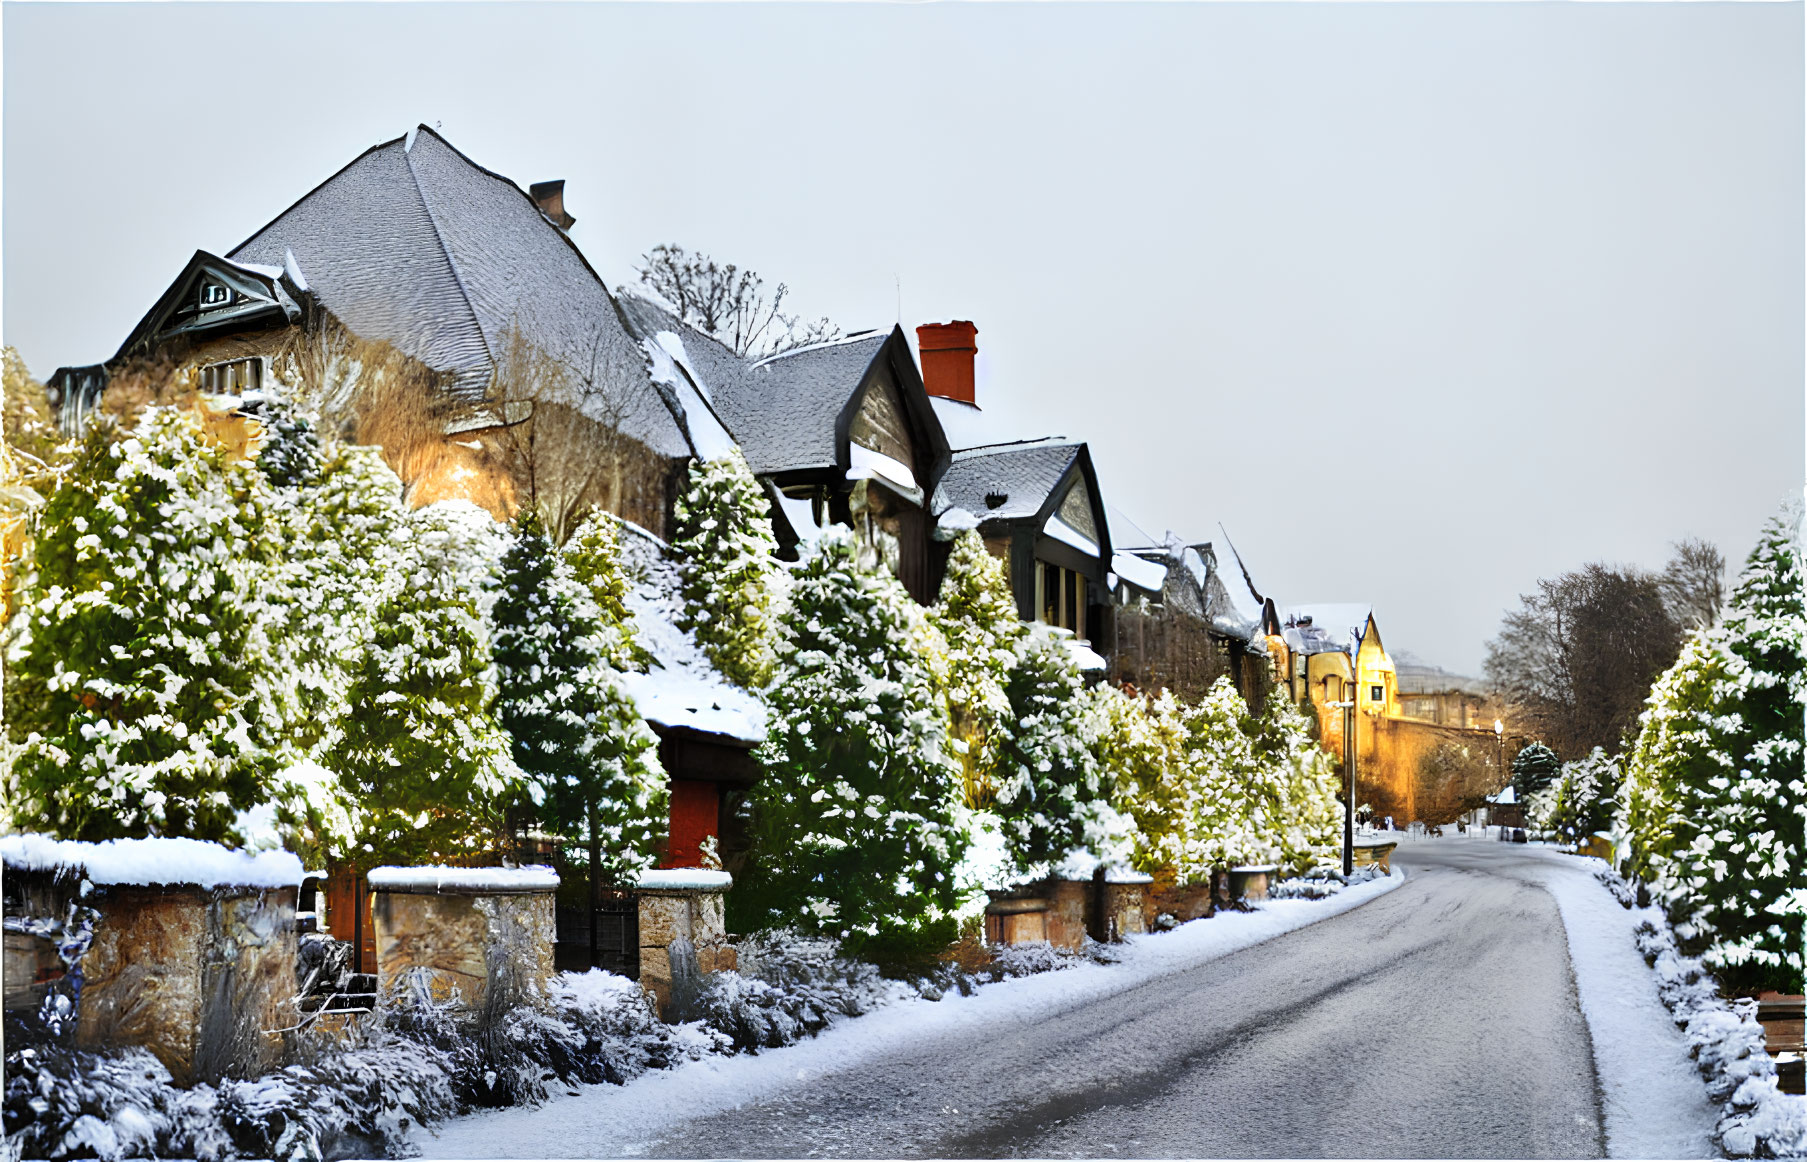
202,978
465,947
1064,912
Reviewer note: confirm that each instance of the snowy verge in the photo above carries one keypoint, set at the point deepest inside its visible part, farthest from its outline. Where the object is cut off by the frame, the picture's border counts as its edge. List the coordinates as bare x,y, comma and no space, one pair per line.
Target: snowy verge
1653,1104
632,1117
1727,1041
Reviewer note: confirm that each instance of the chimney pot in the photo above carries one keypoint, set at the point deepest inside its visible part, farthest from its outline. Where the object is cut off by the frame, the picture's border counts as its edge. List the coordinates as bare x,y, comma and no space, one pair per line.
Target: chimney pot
550,197
947,359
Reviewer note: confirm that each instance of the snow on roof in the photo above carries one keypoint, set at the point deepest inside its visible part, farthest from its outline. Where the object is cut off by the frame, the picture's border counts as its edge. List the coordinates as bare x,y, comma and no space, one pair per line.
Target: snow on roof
665,355
463,880
1139,571
970,426
154,861
953,522
1065,533
680,879
1505,796
1019,477
1335,627
867,464
682,688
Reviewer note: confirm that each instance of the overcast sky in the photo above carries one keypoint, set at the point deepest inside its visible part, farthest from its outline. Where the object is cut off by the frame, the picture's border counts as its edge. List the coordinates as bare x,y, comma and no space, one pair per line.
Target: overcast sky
1422,302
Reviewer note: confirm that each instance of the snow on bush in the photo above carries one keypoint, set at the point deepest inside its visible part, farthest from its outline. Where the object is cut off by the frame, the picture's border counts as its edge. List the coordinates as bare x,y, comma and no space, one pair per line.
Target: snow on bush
420,753
1324,881
1581,800
855,822
143,675
590,762
1714,798
978,620
730,570
1727,1042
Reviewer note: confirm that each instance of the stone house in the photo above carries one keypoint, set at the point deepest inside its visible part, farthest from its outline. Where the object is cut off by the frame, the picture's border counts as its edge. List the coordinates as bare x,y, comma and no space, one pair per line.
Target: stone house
1406,767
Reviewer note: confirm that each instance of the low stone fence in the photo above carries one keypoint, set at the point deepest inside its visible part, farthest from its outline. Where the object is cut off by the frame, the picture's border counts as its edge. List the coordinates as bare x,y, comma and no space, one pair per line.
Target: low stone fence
469,938
1064,911
183,947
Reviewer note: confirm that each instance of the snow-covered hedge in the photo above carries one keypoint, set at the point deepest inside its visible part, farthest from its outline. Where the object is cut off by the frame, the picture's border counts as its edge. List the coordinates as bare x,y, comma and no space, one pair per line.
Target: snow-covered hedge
1726,1040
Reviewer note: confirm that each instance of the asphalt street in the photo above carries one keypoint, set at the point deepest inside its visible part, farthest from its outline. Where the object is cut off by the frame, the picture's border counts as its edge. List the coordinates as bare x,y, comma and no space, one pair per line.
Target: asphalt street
1439,1020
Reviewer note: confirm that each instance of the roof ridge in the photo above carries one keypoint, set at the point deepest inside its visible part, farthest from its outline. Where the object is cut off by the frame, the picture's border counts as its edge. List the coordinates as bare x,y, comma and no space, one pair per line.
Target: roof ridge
439,233
856,337
1023,445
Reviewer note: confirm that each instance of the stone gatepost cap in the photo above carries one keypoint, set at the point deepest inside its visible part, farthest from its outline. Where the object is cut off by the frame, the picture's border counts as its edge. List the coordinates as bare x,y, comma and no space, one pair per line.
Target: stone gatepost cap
161,862
462,881
681,880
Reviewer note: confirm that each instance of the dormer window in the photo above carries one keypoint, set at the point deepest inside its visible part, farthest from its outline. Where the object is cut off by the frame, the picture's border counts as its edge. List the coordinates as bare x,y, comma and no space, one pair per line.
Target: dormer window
214,294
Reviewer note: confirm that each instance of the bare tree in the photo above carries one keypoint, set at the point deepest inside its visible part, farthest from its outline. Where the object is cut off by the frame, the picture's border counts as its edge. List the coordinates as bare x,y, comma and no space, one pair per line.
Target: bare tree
1576,660
729,303
1693,583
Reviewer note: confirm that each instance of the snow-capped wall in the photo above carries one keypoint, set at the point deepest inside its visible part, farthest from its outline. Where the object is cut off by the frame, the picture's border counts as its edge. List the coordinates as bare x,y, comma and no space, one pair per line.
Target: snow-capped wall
154,861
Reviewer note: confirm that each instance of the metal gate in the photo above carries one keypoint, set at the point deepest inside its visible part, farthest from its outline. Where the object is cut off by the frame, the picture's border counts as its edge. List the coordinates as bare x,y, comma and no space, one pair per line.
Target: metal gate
606,936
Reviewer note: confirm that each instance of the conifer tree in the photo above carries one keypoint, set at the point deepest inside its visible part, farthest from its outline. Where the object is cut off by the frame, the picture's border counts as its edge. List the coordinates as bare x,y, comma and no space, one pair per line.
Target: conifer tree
1140,742
1306,814
978,620
590,763
419,755
1715,798
855,820
141,667
1232,812
1534,767
594,555
1049,785
730,564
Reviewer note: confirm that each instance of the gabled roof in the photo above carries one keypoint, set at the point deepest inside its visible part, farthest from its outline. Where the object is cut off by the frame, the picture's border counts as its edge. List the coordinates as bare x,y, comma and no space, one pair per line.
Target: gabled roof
1027,481
416,245
1335,627
791,412
1021,477
255,292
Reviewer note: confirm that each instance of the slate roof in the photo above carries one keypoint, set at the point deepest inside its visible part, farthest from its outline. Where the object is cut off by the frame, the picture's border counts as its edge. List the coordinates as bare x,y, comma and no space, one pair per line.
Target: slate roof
784,410
1025,474
415,244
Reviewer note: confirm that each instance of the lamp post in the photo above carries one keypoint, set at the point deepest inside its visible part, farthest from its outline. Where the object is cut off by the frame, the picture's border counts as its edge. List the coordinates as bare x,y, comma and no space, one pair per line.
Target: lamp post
1499,734
1348,709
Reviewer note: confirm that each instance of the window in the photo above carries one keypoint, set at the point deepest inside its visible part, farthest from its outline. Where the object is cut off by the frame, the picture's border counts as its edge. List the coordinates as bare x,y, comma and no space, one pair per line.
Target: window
214,294
1377,693
1060,597
234,377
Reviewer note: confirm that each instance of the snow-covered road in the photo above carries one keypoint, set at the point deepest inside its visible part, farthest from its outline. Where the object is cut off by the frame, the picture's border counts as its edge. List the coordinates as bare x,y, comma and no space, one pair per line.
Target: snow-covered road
1441,1019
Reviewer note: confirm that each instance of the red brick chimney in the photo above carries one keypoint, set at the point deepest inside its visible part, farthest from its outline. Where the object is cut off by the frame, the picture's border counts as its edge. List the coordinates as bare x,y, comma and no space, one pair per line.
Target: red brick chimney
947,359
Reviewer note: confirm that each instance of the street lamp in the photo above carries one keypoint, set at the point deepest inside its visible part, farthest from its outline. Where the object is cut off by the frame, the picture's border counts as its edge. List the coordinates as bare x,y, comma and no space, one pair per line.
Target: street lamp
1499,734
1348,709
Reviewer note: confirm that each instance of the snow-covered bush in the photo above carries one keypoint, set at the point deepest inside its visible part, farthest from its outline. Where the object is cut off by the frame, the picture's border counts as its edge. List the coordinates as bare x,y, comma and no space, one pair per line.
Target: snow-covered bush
731,571
1139,741
1727,1042
1050,786
144,680
854,822
1232,811
590,763
419,755
1305,813
1714,796
1581,801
